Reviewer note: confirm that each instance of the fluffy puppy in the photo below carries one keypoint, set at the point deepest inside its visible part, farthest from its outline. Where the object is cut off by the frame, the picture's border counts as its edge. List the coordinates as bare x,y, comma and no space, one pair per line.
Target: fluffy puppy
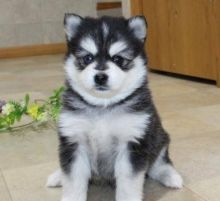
109,127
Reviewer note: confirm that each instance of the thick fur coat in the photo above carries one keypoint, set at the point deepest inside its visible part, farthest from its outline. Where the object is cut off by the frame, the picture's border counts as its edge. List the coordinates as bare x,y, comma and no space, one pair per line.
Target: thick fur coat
109,128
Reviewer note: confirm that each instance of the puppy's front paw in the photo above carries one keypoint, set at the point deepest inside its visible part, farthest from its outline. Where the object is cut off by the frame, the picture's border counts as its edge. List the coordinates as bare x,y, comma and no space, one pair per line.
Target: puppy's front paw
72,199
66,199
54,180
172,180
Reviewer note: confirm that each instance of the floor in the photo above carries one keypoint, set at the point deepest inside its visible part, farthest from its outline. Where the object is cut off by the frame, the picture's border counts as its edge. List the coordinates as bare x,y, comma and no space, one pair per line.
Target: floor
189,110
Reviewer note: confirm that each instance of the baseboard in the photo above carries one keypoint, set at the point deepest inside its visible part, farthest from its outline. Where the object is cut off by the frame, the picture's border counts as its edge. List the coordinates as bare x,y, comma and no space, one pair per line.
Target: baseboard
108,5
33,50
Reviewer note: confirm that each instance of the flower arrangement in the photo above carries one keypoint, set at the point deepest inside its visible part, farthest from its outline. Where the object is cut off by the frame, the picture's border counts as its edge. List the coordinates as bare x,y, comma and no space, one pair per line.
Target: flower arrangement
39,111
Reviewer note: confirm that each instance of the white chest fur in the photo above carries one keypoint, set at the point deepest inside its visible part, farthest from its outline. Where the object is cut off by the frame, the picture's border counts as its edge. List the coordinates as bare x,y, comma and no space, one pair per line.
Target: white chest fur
103,132
99,126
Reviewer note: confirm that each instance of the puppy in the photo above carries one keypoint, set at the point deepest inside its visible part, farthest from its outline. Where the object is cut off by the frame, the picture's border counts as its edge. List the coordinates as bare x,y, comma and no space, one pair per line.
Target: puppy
109,127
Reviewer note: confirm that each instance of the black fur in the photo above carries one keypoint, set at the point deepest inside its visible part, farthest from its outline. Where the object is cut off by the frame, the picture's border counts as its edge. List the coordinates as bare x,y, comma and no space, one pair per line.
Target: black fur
66,153
145,151
118,29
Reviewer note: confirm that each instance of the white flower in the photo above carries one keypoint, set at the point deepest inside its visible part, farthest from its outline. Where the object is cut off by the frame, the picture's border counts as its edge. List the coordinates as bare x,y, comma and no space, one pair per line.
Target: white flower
22,104
8,108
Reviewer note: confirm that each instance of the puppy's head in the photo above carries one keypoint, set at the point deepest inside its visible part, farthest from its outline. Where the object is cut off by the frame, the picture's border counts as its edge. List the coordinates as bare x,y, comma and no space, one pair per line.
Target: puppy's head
105,61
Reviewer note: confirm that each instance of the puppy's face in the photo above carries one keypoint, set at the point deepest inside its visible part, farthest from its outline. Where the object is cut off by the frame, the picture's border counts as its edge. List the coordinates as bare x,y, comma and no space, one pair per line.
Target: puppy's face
105,59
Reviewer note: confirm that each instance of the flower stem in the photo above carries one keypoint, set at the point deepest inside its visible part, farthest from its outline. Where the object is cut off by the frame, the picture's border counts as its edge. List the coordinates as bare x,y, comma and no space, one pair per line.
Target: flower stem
17,127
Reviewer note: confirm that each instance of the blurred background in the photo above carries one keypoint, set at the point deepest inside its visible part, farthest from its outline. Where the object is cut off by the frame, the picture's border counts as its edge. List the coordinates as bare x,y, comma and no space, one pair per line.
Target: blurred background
183,36
31,22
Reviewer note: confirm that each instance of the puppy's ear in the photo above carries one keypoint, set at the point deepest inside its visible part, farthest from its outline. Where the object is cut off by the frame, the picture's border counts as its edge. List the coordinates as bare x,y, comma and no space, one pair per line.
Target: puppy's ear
71,23
138,26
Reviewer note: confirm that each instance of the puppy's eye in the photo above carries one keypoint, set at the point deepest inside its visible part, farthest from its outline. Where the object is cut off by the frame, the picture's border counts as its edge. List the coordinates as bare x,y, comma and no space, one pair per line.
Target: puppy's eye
118,60
88,59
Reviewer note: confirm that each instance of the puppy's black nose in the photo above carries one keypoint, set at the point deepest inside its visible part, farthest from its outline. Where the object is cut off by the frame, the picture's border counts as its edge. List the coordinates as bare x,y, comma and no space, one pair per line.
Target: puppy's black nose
101,79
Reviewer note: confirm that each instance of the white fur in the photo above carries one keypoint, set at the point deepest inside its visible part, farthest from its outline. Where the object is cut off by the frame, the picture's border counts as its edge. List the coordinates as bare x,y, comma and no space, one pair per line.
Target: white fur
85,79
117,47
89,45
94,133
80,80
54,180
75,185
97,130
165,173
101,127
116,76
138,25
105,30
121,83
72,22
129,186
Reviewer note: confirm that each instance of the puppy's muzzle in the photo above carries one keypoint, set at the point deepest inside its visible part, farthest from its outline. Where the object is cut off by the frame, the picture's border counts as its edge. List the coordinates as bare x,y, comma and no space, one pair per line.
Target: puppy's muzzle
101,79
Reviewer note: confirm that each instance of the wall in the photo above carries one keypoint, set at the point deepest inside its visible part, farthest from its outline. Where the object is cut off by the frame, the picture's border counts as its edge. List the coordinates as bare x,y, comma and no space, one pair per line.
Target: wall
126,8
28,22
117,12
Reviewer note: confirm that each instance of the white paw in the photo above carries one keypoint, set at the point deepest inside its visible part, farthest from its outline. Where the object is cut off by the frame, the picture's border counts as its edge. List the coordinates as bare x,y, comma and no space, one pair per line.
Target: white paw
66,199
172,180
73,198
54,180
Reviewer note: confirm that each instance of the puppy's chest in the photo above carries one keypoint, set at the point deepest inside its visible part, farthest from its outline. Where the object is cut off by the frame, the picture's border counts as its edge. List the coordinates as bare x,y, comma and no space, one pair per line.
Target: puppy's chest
104,127
103,133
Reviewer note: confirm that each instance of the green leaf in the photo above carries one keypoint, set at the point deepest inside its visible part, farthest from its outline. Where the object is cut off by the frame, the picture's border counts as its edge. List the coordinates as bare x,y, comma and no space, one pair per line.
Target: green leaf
26,100
26,103
51,106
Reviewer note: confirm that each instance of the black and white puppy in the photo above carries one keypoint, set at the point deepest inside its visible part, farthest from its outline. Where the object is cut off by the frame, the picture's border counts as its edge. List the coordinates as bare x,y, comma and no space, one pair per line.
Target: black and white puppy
109,126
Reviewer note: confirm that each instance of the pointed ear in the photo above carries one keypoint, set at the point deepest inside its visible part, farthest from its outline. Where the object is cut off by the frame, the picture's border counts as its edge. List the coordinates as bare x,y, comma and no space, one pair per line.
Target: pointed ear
138,25
71,23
